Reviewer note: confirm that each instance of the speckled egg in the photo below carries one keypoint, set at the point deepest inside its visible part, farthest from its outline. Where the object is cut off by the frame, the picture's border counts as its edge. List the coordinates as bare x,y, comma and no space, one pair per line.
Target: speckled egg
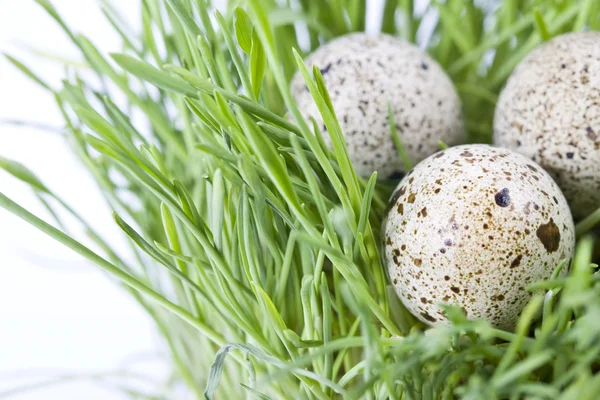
550,111
364,74
472,226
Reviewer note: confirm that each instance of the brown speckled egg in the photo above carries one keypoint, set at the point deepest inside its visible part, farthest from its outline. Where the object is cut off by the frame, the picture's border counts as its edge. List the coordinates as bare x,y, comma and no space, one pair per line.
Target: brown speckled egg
472,226
364,74
550,111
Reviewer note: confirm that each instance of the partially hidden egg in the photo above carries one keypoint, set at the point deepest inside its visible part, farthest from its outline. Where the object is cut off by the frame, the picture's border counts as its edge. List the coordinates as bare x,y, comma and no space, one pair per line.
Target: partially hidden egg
550,111
364,75
472,226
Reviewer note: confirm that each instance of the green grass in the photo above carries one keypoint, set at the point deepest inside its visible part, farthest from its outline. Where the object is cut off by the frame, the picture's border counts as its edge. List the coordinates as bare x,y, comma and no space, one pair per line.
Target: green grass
256,246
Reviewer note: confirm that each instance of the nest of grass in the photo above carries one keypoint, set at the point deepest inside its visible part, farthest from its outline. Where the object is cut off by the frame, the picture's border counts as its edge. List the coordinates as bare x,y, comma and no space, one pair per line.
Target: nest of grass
255,247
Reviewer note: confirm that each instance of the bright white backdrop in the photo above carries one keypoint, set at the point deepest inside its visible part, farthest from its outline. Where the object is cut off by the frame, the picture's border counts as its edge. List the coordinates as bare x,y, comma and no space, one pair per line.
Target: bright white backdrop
58,314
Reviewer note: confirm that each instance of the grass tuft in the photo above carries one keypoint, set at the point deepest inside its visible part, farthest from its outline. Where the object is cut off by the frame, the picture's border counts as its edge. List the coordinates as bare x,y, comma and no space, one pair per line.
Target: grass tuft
256,246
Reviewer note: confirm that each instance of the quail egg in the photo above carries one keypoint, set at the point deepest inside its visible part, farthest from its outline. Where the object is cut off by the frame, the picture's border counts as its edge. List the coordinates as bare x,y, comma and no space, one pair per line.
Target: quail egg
473,225
550,112
365,74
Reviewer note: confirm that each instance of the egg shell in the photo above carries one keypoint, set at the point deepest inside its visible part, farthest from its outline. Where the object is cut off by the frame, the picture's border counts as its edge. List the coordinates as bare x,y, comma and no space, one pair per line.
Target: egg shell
550,111
364,74
472,226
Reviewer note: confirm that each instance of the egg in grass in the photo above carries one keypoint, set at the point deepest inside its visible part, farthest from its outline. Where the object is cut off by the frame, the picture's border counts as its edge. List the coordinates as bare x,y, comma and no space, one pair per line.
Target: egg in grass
369,76
550,112
472,226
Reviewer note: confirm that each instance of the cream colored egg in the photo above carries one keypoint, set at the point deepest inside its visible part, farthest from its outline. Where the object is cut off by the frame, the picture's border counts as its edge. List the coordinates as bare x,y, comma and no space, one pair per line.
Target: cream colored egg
550,111
472,226
364,75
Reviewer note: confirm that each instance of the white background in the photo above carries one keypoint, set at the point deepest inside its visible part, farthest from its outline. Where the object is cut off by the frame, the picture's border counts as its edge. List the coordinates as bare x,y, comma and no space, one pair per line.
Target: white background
58,314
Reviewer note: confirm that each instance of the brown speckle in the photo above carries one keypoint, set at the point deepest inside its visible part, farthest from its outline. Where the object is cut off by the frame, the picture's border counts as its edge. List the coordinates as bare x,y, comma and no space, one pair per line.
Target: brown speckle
428,317
549,235
411,198
517,261
401,209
